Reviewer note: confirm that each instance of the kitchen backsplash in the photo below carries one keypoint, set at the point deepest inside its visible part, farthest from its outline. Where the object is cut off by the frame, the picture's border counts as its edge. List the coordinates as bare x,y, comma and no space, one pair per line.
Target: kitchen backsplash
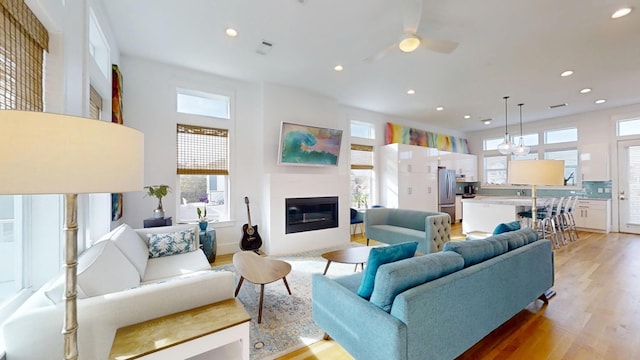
590,189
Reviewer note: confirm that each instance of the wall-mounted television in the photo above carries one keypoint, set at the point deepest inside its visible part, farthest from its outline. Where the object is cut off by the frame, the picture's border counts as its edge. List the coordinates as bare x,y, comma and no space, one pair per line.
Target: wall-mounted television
309,145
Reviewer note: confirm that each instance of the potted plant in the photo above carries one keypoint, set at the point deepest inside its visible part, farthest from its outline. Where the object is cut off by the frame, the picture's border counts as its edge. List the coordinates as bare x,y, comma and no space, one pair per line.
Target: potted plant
158,191
202,214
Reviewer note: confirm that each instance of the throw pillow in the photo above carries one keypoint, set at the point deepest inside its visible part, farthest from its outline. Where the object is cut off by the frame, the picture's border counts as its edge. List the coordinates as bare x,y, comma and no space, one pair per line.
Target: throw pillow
506,227
383,255
131,245
102,269
164,244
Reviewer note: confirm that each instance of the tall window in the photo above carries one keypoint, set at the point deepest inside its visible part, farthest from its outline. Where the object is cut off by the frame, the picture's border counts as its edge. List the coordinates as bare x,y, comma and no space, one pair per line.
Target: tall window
203,169
23,41
361,175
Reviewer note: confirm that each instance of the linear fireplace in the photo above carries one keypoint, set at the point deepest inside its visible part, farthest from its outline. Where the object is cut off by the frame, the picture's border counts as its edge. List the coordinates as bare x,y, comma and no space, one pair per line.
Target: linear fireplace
314,213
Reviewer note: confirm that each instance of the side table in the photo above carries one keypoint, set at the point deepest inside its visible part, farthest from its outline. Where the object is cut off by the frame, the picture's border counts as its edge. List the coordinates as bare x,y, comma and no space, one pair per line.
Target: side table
149,223
208,244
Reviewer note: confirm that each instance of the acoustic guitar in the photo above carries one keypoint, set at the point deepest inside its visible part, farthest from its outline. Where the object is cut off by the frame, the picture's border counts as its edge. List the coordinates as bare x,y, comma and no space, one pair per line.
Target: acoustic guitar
251,240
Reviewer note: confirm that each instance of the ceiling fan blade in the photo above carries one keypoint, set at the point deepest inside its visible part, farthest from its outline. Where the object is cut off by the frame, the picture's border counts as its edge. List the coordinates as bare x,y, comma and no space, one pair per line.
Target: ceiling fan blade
379,55
412,14
439,45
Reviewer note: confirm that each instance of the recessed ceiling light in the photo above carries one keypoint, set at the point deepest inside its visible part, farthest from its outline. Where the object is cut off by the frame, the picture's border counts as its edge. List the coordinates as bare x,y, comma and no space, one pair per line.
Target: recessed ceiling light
621,12
585,90
600,101
231,32
439,108
467,116
338,68
486,121
411,92
566,73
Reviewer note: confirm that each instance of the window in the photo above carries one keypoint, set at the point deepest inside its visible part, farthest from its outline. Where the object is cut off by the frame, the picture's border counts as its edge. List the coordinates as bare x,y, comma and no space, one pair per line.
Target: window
495,170
560,136
491,144
201,103
570,158
98,48
628,127
363,130
203,169
23,41
361,175
529,139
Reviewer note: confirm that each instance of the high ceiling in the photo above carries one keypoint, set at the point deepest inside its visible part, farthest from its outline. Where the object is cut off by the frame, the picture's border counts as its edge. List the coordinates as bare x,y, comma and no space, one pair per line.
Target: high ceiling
515,48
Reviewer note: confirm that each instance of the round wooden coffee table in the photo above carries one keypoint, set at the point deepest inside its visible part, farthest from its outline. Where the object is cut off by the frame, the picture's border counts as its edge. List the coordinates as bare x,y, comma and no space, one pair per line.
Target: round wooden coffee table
353,255
260,270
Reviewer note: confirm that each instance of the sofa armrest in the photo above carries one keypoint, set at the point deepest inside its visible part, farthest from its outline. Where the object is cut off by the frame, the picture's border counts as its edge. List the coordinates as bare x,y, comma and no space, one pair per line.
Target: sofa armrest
363,329
437,230
99,317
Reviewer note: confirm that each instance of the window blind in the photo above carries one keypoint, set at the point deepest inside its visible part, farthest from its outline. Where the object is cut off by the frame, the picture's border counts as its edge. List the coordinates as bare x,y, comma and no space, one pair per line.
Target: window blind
202,150
95,104
23,40
361,157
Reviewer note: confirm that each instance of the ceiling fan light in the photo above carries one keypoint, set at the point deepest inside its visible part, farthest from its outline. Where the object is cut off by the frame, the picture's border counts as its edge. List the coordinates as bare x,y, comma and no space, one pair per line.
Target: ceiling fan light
409,43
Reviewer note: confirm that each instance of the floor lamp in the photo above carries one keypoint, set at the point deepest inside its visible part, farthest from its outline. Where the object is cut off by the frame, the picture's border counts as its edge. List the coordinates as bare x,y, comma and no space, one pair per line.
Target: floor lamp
534,173
43,153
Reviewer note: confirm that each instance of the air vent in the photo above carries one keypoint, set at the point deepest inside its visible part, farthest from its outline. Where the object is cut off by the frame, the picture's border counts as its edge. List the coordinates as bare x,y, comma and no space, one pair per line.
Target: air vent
557,106
264,48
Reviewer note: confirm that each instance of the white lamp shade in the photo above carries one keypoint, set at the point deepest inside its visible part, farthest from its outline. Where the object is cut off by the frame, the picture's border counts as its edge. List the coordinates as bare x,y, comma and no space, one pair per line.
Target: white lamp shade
536,172
43,153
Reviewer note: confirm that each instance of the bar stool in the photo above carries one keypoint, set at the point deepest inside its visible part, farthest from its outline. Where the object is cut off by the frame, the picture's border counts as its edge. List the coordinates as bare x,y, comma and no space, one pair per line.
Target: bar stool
569,220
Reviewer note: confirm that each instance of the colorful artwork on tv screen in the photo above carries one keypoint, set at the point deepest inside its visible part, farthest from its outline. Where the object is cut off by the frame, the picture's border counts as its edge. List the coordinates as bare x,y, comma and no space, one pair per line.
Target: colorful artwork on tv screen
309,145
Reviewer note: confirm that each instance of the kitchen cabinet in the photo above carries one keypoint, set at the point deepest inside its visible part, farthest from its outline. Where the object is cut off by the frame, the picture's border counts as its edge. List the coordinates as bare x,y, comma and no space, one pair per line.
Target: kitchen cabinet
408,177
593,215
594,162
458,208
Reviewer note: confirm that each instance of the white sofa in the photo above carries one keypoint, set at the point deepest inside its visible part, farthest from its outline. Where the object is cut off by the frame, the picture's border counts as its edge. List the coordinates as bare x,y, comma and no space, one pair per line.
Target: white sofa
118,285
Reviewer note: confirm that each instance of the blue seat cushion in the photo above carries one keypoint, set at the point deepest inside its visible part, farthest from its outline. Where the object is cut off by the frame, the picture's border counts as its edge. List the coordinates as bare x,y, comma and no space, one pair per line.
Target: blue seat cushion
506,227
394,278
383,255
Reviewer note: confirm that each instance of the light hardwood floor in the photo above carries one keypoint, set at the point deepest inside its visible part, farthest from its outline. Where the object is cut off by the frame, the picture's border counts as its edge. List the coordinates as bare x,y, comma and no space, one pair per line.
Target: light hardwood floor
595,314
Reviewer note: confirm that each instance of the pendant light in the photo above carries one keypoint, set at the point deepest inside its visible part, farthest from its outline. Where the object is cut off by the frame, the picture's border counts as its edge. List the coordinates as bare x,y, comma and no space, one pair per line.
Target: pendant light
521,149
506,147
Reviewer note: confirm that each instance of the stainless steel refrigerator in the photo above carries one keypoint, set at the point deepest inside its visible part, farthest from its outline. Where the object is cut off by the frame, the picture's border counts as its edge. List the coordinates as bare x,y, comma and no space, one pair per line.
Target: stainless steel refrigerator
447,192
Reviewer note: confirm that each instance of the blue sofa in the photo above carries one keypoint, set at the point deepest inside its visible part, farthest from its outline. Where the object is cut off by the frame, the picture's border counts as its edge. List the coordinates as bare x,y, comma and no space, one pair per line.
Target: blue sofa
436,306
391,226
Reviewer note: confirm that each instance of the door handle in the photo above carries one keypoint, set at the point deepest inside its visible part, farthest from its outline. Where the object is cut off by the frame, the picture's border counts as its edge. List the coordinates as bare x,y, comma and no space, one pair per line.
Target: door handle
622,195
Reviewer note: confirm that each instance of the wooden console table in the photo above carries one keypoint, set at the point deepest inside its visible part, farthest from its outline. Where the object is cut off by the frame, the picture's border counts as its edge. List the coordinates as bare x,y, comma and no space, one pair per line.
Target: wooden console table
216,331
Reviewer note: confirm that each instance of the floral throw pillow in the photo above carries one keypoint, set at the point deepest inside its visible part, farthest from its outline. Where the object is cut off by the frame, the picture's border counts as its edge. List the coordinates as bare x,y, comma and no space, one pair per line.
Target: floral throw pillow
165,244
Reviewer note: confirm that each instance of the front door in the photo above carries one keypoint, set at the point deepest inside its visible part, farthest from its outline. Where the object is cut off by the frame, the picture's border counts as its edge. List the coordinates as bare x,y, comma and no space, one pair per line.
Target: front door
629,186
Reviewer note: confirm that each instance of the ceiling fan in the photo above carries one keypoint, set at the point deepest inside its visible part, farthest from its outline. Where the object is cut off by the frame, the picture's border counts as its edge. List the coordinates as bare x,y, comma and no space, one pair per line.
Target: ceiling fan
411,39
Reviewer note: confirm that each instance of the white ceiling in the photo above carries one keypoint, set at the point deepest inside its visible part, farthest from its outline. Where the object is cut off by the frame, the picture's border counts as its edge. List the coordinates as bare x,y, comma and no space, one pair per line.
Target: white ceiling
516,48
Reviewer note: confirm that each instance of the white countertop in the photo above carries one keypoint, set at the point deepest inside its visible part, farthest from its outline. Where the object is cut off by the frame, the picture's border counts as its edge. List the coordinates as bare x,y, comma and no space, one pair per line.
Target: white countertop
514,200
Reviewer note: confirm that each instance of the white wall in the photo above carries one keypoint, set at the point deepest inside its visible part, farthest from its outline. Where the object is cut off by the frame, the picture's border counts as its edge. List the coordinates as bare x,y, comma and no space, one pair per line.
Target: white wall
149,105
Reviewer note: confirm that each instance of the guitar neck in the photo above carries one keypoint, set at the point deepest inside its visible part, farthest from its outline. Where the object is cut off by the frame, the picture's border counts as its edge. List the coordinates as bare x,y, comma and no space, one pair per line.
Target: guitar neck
248,216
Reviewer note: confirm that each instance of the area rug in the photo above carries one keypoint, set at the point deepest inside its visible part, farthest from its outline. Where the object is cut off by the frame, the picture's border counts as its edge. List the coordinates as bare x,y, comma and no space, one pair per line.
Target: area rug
286,319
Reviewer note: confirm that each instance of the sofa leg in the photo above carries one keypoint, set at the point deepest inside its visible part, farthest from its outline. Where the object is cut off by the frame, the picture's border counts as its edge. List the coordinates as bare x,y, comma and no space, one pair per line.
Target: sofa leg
367,241
326,337
547,295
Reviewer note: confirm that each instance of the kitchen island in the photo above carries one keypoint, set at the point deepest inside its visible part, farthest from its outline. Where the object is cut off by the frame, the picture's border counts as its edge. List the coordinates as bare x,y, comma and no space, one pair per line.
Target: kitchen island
484,213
